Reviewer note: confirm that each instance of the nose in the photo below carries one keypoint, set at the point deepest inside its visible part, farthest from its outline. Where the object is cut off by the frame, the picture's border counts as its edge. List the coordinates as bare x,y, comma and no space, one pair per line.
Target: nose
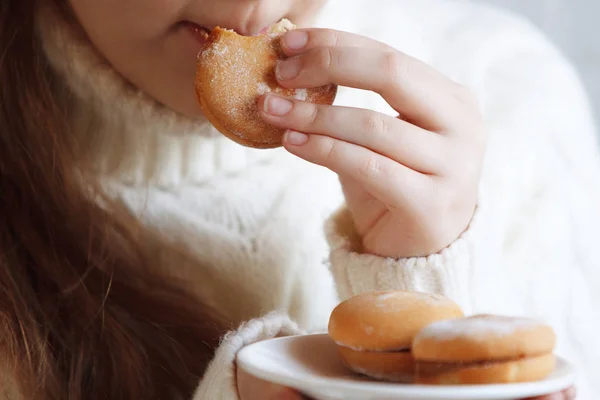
246,17
253,16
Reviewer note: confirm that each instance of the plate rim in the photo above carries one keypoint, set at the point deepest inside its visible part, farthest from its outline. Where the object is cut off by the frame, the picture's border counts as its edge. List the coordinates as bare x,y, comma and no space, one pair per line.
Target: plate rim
323,385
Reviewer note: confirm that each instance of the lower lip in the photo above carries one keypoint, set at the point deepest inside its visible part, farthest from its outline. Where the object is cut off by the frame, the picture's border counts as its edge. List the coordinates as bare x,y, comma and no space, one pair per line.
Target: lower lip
198,32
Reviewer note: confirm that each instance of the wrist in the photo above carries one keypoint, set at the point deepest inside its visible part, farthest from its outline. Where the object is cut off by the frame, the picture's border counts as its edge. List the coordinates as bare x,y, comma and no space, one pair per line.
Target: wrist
418,241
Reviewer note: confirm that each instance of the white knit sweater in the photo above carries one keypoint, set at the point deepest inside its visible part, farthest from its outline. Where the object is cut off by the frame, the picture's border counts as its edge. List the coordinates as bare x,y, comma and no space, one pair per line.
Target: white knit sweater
253,219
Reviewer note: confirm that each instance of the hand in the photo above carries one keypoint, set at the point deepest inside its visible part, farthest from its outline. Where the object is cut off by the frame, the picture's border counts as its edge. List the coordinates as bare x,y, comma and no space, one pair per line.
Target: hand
568,394
251,388
410,182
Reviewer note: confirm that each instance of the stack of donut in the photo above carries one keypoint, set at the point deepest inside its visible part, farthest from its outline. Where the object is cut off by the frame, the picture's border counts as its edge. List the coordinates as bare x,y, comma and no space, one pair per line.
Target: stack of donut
423,338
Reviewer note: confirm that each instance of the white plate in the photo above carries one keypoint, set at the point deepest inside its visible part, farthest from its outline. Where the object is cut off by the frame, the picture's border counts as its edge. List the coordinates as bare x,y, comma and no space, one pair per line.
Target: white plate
311,364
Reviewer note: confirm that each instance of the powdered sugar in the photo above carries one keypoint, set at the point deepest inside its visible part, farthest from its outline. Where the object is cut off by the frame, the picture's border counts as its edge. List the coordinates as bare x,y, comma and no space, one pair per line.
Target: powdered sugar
477,328
281,27
232,71
301,94
263,88
298,94
386,296
383,300
217,49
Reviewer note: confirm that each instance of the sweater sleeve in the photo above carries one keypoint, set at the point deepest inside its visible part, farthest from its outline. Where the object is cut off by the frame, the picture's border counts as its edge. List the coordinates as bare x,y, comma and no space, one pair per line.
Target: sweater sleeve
219,381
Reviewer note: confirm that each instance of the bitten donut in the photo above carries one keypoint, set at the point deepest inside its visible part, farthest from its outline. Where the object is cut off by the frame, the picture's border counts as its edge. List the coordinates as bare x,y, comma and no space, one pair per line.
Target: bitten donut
374,331
234,71
484,349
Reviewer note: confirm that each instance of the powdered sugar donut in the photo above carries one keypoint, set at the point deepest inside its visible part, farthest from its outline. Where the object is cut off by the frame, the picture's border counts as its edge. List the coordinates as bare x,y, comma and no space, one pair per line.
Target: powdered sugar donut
234,71
484,349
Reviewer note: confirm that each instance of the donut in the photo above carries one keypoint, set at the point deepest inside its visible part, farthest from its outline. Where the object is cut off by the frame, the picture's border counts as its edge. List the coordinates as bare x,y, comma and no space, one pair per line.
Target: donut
484,349
374,331
234,71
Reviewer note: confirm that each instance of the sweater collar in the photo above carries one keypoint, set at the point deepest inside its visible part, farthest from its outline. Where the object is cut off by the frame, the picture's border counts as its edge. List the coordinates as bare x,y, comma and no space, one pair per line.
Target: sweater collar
132,138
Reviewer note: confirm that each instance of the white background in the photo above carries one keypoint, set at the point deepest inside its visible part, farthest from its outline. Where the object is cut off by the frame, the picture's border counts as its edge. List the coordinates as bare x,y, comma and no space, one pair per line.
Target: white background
574,25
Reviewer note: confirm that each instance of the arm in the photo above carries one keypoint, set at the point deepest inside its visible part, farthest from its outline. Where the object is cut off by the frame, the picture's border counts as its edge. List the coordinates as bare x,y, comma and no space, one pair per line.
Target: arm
530,247
542,161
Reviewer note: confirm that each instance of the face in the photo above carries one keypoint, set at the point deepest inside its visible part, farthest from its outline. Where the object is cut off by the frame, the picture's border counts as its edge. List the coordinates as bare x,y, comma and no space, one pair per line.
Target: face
154,43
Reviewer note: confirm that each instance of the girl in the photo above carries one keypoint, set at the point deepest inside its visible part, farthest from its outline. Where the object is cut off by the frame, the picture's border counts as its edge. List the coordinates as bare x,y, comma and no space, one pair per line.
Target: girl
133,236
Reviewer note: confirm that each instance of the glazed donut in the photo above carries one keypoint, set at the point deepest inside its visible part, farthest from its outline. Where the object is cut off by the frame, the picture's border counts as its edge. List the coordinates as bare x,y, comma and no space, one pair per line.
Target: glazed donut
234,71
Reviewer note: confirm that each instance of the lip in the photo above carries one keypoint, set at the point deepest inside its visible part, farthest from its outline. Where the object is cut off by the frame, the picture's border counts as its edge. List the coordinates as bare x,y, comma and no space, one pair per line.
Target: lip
199,32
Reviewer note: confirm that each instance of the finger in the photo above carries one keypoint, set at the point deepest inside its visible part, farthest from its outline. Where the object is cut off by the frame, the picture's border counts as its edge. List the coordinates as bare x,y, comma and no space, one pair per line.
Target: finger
391,137
252,388
387,180
568,394
411,87
553,396
299,41
290,394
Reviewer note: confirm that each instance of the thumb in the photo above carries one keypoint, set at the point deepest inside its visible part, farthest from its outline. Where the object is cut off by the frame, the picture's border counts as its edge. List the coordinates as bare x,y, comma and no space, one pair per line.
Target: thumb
288,394
252,388
568,394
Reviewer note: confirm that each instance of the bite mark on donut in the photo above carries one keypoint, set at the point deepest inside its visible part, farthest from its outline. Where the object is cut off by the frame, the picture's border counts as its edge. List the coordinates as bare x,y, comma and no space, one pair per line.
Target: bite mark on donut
233,72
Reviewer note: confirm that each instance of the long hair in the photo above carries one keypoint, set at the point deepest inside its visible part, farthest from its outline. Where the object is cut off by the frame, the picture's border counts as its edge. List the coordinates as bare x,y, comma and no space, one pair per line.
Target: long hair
82,314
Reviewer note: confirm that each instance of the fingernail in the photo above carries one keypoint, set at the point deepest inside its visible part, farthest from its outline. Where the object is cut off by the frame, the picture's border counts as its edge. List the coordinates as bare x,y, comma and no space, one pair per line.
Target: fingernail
295,138
295,40
275,105
288,69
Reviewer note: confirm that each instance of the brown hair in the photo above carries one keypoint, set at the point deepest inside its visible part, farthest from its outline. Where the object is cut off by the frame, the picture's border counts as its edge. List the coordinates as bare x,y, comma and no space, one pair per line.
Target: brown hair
81,315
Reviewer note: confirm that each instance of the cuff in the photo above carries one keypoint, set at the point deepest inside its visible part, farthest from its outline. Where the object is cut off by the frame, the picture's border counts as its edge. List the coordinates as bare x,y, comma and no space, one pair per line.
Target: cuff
219,381
446,273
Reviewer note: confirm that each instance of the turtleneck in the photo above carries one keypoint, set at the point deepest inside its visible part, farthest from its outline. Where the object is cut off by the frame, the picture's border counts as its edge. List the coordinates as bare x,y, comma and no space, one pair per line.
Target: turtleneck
132,138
